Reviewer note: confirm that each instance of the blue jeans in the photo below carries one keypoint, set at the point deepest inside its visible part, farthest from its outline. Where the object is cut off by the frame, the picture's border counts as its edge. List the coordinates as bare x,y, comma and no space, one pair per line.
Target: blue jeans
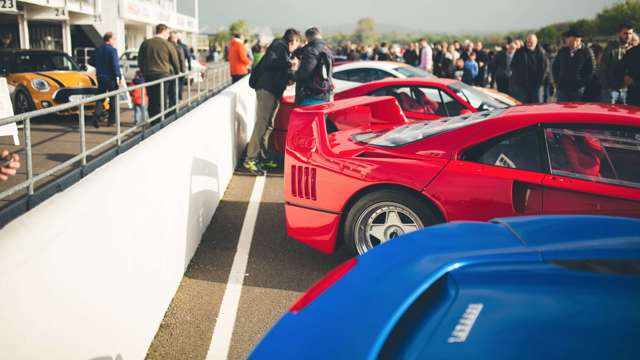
140,114
310,102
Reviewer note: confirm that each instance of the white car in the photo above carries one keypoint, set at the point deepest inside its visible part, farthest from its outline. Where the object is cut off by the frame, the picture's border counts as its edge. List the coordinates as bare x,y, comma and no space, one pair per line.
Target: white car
129,66
352,74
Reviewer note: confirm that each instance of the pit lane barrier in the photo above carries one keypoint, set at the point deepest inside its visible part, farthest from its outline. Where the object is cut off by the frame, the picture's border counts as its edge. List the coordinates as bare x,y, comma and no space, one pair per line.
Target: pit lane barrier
90,272
212,82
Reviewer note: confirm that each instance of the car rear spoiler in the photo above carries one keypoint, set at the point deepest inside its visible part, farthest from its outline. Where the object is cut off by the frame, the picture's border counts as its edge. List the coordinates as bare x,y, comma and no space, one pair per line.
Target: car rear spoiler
358,112
309,124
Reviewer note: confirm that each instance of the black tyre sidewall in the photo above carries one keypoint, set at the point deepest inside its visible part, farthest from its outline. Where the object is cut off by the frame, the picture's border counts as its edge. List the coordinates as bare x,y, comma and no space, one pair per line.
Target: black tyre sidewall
413,202
26,94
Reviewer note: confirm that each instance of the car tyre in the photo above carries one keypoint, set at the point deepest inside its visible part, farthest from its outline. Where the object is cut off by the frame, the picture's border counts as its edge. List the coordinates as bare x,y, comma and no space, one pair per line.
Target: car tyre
23,102
383,215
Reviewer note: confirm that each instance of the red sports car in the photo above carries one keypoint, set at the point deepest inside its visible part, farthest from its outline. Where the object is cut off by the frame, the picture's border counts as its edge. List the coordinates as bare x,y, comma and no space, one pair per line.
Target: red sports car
419,98
356,171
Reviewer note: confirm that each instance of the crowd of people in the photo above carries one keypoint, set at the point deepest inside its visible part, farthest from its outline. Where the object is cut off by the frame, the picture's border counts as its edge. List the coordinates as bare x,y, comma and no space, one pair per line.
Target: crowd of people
525,69
529,71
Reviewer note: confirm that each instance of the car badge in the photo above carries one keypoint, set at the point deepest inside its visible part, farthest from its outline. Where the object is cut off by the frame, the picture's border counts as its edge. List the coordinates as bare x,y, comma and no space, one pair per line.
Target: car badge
465,324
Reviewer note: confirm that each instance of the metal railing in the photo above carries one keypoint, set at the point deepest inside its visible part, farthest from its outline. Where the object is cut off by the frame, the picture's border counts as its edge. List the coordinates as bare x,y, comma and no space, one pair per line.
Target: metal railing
214,79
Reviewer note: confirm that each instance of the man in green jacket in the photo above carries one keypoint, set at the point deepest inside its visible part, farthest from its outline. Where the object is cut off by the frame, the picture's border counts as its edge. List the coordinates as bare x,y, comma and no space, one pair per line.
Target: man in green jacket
157,59
611,68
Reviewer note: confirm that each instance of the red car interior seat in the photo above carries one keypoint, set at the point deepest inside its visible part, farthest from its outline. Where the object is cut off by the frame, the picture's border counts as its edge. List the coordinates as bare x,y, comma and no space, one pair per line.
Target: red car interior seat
408,104
583,153
430,106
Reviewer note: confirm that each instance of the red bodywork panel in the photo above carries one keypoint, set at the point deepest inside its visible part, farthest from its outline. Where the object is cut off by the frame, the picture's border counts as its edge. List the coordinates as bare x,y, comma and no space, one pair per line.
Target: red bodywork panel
325,168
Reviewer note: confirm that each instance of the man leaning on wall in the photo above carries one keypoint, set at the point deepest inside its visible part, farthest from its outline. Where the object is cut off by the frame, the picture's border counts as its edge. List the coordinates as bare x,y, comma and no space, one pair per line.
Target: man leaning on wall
270,78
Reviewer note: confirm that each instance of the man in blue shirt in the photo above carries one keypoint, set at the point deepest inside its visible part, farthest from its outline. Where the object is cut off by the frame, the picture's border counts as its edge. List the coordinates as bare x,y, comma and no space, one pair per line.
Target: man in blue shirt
108,73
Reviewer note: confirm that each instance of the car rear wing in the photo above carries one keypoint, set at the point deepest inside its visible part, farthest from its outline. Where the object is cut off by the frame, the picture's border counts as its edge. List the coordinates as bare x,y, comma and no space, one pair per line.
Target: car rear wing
311,123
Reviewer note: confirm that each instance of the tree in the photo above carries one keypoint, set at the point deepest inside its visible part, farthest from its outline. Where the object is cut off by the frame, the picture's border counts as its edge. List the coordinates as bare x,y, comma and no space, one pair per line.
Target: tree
365,31
586,28
611,17
239,27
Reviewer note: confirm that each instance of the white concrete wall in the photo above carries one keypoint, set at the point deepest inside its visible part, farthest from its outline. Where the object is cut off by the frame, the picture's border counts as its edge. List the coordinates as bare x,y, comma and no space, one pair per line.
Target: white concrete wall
90,273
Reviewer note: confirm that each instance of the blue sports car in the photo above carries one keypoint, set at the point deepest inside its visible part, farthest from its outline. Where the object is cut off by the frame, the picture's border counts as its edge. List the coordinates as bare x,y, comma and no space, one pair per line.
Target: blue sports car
518,288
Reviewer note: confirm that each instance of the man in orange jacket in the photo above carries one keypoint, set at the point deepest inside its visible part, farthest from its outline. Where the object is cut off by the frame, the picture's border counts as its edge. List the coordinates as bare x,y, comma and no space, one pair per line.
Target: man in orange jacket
239,61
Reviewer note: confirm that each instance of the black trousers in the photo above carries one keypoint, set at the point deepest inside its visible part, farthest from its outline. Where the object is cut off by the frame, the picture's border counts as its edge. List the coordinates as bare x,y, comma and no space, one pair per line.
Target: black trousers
154,93
105,85
633,96
181,88
503,85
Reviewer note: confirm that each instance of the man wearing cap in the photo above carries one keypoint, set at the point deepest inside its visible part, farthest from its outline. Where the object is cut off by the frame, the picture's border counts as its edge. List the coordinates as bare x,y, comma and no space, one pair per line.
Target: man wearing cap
573,68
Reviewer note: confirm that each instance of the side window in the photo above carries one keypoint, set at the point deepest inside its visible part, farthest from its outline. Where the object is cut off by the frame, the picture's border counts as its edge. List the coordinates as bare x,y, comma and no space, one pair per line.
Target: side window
602,155
453,106
404,95
517,150
430,100
377,74
367,75
343,75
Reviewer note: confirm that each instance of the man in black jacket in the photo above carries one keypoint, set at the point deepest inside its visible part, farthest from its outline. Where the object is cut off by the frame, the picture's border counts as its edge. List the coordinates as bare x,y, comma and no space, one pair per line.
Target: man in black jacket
528,69
573,68
313,78
631,64
270,79
501,68
482,58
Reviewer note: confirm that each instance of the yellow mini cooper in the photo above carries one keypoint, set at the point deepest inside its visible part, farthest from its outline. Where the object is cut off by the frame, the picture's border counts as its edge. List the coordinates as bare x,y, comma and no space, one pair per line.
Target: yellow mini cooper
40,79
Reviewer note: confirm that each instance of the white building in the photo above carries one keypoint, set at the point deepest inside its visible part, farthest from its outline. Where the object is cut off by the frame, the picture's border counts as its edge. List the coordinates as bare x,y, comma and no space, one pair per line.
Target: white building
132,21
70,24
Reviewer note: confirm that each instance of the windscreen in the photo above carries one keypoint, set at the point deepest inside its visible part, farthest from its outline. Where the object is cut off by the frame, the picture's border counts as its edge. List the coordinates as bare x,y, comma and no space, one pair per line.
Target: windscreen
44,61
478,99
417,131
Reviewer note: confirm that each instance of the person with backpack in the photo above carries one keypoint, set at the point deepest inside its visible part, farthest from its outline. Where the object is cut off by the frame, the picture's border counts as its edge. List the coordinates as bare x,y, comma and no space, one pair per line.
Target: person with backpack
270,78
313,78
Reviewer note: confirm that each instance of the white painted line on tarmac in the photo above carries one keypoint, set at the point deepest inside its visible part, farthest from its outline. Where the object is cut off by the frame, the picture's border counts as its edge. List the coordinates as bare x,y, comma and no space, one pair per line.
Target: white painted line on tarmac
222,332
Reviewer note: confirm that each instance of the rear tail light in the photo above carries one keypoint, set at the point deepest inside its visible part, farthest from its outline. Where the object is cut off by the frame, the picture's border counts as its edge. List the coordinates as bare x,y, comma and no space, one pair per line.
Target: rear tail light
323,284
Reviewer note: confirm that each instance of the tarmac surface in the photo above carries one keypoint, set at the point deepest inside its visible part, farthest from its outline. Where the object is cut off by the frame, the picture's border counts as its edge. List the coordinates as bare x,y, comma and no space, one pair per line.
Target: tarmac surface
279,270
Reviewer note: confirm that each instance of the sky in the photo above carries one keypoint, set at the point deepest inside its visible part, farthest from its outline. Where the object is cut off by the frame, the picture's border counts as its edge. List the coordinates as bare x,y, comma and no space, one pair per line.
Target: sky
450,16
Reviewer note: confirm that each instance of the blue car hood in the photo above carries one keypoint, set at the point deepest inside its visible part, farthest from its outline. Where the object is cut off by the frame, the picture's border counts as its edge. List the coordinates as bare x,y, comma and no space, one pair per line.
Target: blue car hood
405,299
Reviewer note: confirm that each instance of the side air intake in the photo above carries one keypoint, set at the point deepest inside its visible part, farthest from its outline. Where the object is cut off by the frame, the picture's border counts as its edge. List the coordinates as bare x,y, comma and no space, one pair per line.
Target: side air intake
303,182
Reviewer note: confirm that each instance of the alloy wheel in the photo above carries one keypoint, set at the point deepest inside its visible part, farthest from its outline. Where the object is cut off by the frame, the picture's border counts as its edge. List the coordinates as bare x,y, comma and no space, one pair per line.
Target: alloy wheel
382,222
